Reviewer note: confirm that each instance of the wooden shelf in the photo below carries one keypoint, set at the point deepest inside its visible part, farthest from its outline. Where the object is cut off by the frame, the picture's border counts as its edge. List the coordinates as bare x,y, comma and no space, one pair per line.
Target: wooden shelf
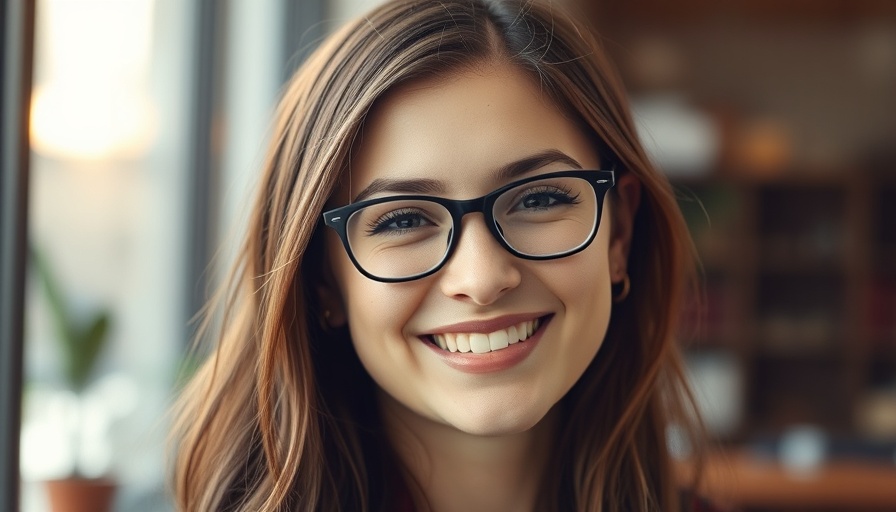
793,292
746,481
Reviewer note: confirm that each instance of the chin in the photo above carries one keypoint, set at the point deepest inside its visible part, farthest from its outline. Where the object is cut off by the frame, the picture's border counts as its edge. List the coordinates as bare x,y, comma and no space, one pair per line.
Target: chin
497,421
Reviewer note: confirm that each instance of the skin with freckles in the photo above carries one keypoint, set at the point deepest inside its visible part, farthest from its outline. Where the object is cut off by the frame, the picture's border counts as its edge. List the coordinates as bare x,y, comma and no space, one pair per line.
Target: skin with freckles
458,131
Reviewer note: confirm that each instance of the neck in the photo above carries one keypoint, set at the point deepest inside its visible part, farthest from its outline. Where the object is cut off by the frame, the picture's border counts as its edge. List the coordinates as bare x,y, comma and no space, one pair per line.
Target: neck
454,471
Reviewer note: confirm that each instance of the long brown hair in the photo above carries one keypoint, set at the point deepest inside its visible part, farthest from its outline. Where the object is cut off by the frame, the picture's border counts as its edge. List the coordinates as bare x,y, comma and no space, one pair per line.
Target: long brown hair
281,416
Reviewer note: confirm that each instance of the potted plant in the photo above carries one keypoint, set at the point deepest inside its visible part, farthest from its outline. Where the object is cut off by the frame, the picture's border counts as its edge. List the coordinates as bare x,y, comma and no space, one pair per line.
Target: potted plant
81,339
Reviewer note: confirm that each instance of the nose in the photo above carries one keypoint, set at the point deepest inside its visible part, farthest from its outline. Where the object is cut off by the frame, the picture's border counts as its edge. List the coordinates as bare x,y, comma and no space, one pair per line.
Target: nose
480,269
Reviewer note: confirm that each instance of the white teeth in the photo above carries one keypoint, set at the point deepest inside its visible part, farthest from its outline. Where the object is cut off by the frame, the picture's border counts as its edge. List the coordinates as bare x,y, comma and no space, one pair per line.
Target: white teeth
480,343
463,343
498,340
512,335
450,340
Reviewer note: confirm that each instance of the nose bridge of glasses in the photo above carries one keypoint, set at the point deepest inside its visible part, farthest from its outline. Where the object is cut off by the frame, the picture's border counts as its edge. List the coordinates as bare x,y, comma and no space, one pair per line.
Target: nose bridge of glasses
461,208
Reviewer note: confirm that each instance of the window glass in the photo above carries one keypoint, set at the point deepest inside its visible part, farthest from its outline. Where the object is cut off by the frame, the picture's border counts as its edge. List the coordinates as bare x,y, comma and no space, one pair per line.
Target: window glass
108,217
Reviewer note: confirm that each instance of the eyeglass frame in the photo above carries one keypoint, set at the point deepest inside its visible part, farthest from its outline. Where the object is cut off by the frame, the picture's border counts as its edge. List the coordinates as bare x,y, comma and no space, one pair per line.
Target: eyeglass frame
600,180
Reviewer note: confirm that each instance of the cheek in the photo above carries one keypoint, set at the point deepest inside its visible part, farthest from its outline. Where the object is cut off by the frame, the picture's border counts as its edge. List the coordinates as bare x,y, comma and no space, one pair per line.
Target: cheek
375,309
583,281
588,305
377,313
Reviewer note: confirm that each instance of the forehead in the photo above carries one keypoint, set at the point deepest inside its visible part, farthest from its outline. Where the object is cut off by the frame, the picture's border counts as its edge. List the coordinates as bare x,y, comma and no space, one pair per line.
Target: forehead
460,129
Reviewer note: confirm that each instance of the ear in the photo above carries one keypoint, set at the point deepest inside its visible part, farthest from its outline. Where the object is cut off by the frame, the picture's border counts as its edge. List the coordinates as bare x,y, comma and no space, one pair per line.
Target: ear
624,202
332,307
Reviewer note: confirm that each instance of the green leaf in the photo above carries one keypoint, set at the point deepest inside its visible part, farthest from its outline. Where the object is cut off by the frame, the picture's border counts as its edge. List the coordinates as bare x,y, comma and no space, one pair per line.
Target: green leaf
80,343
61,321
89,344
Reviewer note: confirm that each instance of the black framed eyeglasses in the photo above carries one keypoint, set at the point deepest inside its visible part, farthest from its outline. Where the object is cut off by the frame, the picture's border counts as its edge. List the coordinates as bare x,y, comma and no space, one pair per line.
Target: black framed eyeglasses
406,237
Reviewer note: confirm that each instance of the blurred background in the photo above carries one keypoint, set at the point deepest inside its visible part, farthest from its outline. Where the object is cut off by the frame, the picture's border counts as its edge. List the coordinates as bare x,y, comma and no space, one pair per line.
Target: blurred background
776,122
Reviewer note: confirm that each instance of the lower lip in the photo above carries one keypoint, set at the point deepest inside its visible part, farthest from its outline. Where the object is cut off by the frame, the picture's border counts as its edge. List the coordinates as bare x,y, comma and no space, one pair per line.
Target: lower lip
491,362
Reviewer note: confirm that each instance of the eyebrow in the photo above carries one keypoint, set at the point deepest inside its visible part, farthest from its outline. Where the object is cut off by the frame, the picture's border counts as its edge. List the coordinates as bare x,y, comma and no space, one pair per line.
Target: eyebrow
505,173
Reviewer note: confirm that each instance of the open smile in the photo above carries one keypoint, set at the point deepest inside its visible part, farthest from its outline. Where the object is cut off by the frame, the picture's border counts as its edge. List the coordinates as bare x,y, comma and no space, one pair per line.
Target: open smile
485,342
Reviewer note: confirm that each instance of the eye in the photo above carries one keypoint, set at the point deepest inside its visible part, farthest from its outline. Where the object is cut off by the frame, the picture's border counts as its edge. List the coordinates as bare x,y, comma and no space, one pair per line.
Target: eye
545,197
398,222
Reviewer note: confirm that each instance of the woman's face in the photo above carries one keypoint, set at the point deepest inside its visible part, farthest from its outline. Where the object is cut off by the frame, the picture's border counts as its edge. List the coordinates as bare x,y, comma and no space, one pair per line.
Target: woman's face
457,132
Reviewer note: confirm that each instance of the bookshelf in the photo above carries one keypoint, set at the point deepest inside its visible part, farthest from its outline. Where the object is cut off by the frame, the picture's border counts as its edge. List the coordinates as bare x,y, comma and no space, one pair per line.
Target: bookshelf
799,283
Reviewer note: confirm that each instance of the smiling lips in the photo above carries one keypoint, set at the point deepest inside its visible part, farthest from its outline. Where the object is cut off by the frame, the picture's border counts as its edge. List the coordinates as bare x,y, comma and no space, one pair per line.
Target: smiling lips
481,343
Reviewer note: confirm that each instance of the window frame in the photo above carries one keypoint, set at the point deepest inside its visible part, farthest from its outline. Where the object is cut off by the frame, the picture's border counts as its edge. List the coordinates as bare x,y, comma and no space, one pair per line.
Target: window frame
16,67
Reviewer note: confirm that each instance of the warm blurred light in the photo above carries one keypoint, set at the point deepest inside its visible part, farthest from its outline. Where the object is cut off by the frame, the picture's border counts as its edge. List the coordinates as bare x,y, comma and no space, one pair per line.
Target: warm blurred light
79,122
90,101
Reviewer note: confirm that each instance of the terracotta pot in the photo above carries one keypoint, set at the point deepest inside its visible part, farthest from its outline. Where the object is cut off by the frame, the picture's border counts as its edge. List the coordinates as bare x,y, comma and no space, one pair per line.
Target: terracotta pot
81,494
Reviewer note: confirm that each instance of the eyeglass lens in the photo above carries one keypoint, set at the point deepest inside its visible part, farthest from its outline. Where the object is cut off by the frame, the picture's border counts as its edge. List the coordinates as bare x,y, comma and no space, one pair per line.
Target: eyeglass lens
403,238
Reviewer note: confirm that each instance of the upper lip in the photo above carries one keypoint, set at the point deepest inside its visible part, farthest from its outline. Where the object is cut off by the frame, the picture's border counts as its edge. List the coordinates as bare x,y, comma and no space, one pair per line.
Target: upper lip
487,325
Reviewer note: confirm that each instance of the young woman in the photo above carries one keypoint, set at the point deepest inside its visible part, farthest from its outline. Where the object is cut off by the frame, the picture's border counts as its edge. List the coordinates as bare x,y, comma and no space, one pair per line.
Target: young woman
459,286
